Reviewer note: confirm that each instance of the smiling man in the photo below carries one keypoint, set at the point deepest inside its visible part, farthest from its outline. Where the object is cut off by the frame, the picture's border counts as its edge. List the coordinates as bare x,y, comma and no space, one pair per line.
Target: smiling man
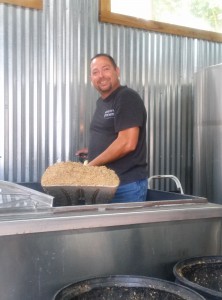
118,130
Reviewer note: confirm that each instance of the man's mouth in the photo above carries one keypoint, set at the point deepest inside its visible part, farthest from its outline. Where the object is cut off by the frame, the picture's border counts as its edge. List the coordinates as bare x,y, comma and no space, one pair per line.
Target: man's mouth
104,82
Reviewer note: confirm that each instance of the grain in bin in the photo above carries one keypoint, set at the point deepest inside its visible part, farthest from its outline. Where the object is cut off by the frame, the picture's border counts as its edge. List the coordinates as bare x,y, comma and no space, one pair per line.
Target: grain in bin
202,274
72,183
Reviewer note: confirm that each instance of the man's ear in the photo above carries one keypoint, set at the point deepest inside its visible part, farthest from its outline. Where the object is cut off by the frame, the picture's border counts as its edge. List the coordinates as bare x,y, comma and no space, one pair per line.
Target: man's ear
118,71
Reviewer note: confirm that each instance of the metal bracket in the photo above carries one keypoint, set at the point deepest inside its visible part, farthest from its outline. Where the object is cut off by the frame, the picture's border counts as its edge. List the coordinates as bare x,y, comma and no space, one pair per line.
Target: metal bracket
176,180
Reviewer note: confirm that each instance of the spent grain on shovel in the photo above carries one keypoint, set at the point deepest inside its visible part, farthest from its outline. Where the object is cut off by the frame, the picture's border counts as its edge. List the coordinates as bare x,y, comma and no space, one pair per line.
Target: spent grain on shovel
76,174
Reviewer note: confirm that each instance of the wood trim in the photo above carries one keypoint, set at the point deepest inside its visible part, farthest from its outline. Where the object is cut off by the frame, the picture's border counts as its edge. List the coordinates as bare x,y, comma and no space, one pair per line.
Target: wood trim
105,6
37,4
105,15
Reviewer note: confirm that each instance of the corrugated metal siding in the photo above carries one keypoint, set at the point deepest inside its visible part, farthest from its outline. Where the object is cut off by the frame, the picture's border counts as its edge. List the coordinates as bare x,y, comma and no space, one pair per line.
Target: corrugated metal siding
46,96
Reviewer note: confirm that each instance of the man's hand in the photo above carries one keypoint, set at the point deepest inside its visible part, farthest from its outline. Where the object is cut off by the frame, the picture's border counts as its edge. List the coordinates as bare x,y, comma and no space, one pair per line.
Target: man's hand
82,151
82,154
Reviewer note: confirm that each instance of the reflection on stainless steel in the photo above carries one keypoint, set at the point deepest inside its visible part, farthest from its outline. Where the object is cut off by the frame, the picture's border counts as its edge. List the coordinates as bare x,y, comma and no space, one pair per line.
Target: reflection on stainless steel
207,168
46,248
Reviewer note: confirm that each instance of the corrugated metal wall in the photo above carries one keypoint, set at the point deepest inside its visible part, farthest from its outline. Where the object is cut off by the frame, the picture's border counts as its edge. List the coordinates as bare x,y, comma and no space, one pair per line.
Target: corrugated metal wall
46,96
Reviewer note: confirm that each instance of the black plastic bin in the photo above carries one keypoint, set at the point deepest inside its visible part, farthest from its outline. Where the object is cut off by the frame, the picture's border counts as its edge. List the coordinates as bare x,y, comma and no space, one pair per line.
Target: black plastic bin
202,274
126,287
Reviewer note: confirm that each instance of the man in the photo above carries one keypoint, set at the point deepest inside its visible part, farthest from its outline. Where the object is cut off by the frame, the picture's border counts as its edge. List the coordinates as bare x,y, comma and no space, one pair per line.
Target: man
118,131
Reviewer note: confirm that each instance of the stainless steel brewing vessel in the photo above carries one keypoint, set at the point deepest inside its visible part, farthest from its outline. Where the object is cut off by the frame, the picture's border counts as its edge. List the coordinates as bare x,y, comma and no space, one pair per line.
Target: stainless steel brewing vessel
207,162
45,248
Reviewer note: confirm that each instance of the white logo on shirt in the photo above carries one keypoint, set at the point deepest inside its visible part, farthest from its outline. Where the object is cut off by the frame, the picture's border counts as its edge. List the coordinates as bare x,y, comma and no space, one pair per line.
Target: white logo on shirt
109,114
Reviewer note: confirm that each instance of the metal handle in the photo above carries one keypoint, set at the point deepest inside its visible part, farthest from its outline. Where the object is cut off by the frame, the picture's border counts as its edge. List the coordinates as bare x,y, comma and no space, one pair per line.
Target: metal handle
176,180
83,157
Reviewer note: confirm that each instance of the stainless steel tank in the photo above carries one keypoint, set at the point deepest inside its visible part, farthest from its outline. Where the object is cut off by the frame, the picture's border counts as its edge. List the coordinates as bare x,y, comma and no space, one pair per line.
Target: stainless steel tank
45,248
207,162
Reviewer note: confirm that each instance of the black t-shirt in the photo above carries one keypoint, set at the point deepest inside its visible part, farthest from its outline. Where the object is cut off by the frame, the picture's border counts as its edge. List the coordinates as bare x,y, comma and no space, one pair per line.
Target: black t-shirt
121,110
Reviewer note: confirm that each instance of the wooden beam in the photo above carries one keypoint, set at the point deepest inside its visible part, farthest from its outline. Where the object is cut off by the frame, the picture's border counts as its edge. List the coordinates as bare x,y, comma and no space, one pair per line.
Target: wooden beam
37,4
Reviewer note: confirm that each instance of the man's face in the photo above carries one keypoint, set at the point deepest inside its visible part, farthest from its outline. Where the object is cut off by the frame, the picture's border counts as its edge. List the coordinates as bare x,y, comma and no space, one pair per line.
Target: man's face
104,76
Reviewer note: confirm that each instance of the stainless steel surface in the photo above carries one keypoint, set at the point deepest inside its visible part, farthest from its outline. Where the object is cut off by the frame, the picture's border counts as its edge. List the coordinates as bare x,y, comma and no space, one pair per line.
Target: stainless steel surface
207,171
43,252
47,100
44,217
94,217
36,265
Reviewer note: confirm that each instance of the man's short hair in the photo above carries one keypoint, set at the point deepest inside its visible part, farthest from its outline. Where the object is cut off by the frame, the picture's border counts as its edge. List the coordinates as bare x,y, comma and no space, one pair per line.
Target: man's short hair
106,55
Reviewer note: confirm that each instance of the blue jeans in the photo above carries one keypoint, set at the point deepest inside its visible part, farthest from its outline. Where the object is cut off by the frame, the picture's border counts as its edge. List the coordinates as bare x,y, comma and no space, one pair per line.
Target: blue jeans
131,192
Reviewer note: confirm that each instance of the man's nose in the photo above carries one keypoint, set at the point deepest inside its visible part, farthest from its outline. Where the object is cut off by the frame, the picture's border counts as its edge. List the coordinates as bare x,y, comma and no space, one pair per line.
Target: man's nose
101,73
